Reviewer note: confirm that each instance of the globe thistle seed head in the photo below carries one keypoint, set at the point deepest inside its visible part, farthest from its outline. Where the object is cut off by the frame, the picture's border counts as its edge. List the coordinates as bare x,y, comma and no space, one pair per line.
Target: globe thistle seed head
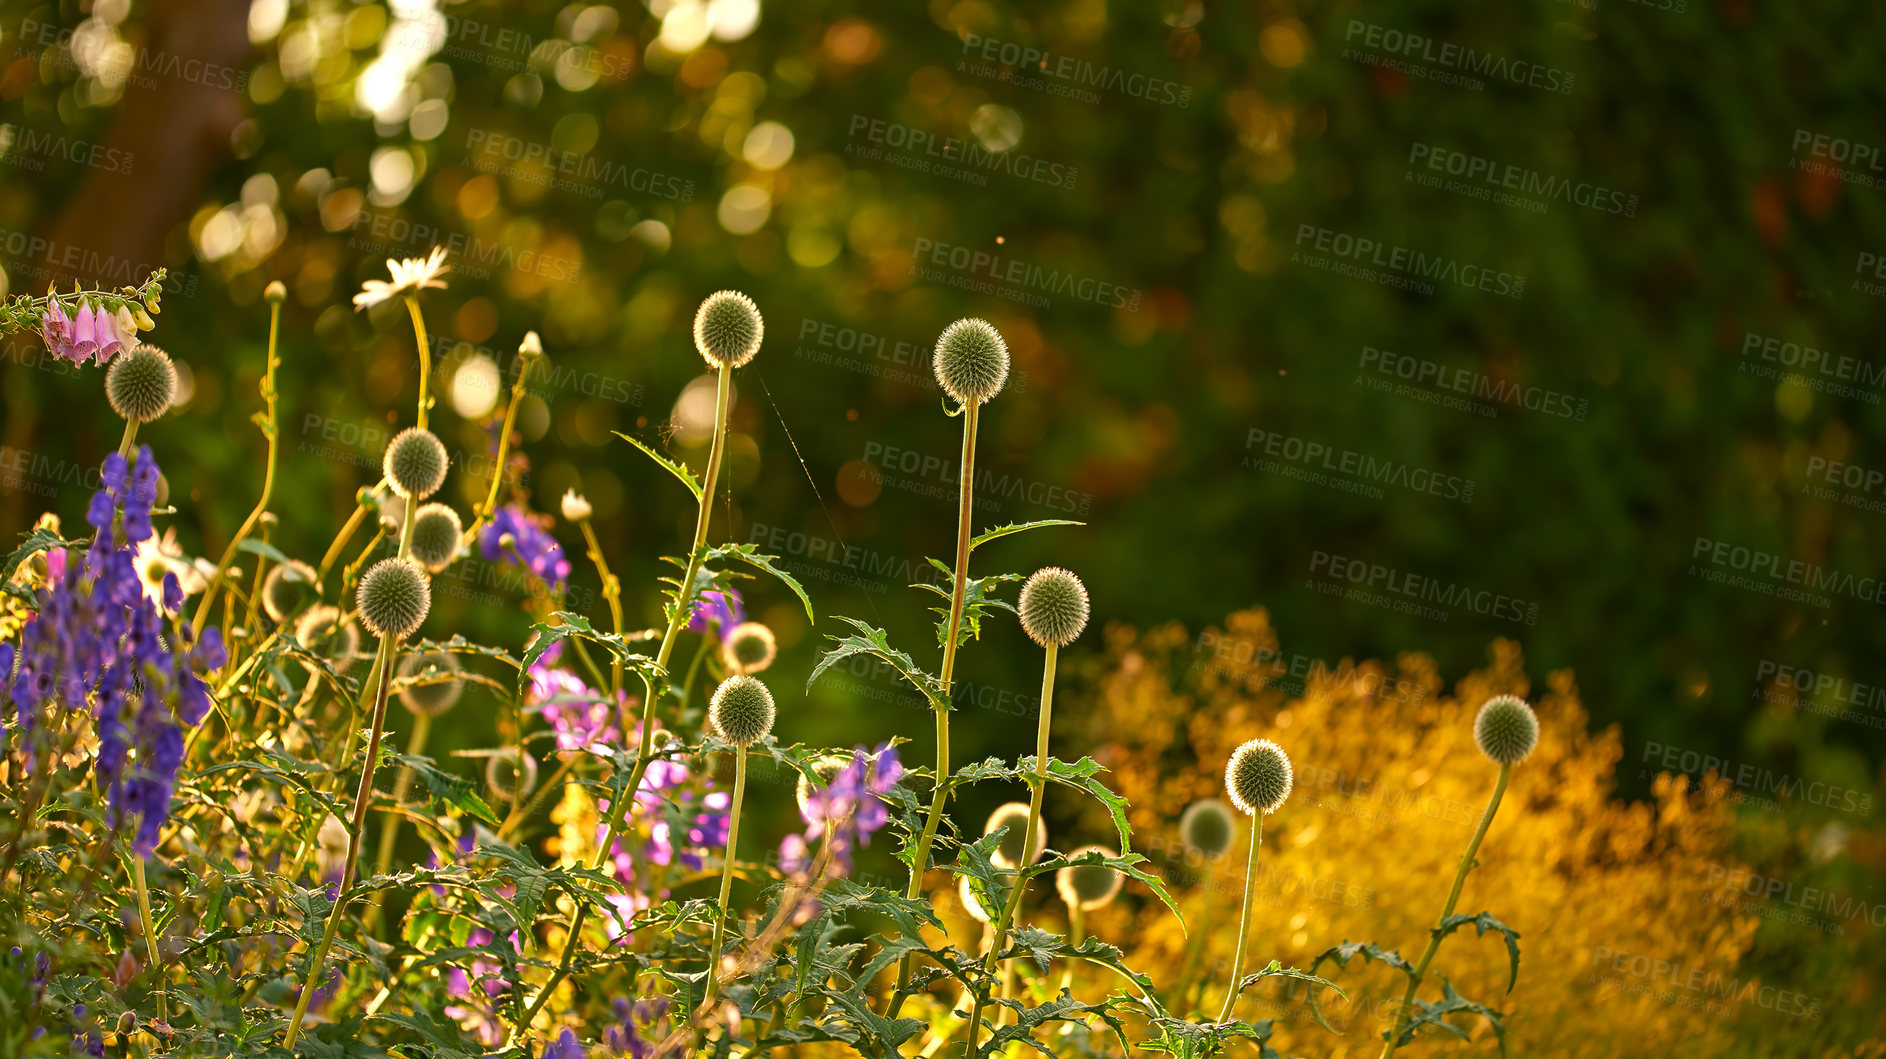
1206,828
1506,729
1014,816
321,630
434,697
1088,886
728,329
394,598
286,587
973,905
742,710
749,648
575,506
971,361
415,462
141,383
1053,607
509,777
824,767
436,533
1258,777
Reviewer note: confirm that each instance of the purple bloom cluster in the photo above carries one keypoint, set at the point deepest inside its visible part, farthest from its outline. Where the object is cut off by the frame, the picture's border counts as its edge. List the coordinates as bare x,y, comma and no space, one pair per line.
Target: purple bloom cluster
96,332
716,611
566,1047
639,1027
98,641
540,552
478,1014
580,717
845,812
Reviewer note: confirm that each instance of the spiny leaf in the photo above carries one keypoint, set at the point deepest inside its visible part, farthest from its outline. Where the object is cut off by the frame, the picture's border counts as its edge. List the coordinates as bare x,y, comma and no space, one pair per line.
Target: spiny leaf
751,555
1017,527
1485,922
686,476
978,599
456,791
875,642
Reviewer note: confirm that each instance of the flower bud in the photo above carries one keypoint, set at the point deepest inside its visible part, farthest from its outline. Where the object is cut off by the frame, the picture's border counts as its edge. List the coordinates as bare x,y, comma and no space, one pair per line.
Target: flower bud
742,710
1008,852
728,329
415,462
531,346
1088,886
1205,828
286,588
749,648
575,507
1506,729
321,631
394,598
509,777
971,361
435,697
1258,777
435,539
276,292
1053,607
141,383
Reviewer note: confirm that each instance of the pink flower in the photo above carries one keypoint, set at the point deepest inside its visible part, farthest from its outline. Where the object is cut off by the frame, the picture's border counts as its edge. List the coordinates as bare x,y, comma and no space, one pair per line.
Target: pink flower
56,328
110,337
85,332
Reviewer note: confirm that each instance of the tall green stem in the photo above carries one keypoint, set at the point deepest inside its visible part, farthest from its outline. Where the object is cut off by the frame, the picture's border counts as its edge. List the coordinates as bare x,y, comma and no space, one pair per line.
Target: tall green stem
1453,898
362,796
1029,852
1244,917
129,439
389,834
960,580
483,512
425,359
612,592
726,872
270,430
149,927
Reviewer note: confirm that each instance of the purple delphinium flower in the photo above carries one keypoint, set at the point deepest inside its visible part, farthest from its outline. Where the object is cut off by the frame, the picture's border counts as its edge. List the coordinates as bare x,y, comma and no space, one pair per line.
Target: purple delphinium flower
539,551
845,812
566,1047
636,1032
716,611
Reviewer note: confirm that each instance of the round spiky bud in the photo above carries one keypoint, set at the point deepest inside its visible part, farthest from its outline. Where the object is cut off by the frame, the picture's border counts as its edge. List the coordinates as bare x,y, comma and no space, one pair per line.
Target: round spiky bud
971,361
1053,607
749,648
742,710
286,587
575,506
974,906
1014,816
141,383
321,631
1258,777
824,767
509,777
434,696
394,598
728,329
1088,886
1506,729
415,462
1206,827
436,532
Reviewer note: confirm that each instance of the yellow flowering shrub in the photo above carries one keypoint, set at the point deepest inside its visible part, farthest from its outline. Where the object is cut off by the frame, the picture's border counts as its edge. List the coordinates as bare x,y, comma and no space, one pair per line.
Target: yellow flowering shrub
1625,950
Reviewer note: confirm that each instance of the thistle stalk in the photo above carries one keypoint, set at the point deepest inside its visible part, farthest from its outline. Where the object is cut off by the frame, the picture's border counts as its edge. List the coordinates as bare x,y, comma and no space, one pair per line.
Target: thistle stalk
425,358
612,593
527,351
389,835
1244,917
148,925
726,872
276,294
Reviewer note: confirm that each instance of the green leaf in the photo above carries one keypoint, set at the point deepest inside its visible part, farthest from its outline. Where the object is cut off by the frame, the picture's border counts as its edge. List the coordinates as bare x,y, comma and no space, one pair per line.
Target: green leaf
1485,922
1452,1003
40,540
686,476
978,600
751,555
571,624
453,790
875,642
262,548
1017,527
1278,970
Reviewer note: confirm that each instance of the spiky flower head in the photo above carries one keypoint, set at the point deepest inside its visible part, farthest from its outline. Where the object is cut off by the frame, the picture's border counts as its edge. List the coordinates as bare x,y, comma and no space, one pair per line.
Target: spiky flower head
749,648
728,329
971,361
510,777
575,506
742,710
141,383
1506,729
824,767
431,696
415,462
1088,886
286,587
1053,607
1258,777
321,630
436,533
1014,816
1205,827
394,598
